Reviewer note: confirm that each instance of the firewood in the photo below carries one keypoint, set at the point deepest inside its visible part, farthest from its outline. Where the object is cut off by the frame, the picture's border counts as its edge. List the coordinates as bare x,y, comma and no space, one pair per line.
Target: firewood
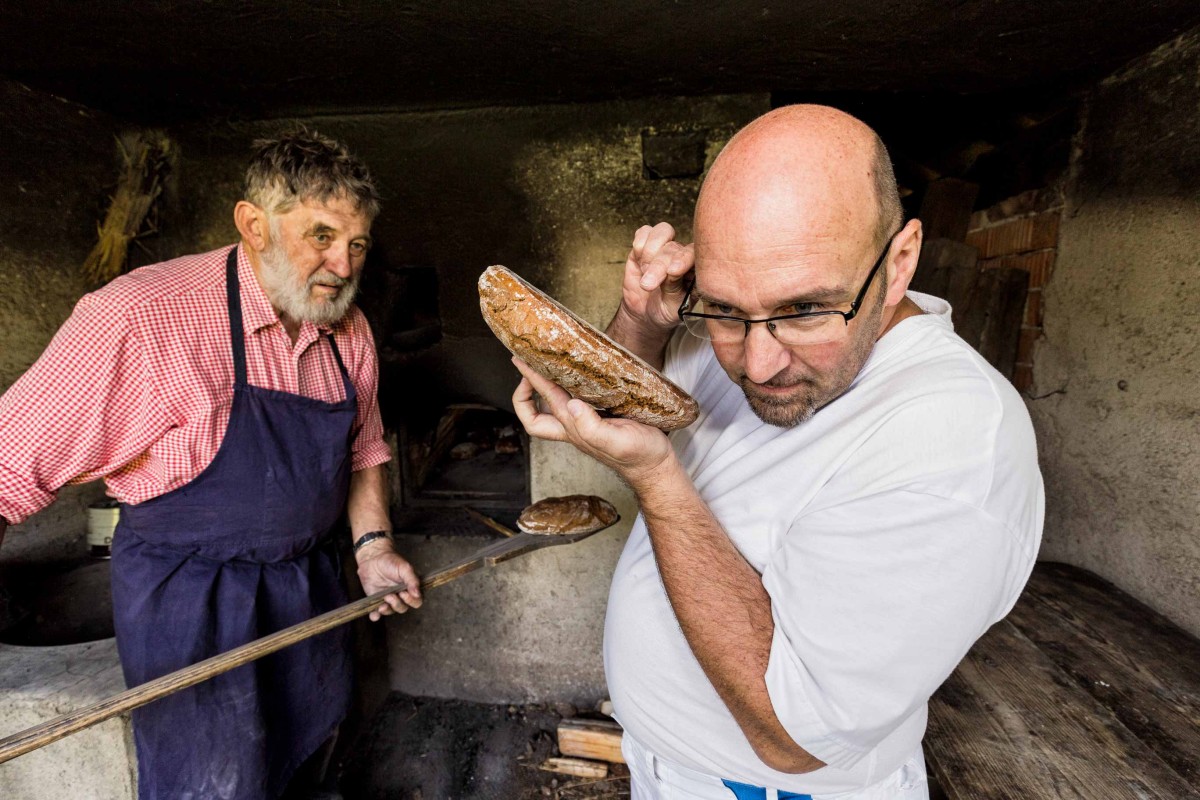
578,767
586,738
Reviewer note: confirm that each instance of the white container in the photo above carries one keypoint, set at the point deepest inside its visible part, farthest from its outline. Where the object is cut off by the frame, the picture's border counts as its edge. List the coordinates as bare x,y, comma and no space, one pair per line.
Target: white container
102,520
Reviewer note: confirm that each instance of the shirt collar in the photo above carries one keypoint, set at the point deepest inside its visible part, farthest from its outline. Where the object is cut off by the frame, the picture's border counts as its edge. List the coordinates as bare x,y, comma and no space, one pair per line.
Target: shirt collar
257,311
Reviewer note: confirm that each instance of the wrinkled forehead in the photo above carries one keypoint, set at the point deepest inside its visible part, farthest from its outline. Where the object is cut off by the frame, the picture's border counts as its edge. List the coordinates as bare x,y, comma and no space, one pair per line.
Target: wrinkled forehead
335,213
758,265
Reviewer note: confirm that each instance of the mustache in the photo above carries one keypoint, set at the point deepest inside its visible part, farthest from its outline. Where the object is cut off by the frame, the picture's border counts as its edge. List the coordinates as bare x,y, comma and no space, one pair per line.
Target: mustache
785,382
326,278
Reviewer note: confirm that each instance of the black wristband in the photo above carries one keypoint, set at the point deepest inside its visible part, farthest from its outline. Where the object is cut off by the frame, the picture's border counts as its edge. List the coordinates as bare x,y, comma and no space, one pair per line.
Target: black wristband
370,537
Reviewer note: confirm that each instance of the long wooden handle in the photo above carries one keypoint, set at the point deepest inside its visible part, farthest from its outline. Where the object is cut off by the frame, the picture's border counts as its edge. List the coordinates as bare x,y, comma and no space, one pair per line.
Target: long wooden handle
52,730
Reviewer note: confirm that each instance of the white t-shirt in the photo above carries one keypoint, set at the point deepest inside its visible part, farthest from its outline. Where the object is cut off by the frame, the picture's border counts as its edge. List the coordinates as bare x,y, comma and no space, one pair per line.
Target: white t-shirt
891,530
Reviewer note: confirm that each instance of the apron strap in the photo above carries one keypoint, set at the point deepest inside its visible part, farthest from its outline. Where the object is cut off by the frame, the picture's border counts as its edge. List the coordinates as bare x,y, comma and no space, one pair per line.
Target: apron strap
237,335
347,384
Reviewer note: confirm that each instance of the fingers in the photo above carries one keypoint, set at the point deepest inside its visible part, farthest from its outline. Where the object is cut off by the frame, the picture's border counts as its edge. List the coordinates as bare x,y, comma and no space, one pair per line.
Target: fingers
571,419
639,238
392,570
404,575
647,241
680,267
586,426
666,267
658,257
386,610
537,423
620,444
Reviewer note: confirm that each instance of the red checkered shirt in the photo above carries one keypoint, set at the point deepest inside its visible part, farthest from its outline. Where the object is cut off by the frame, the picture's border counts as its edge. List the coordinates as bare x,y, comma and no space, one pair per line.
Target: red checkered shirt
137,385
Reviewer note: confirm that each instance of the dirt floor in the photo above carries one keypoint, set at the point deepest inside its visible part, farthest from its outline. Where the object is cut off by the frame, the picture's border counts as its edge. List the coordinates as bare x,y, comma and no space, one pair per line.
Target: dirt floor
419,748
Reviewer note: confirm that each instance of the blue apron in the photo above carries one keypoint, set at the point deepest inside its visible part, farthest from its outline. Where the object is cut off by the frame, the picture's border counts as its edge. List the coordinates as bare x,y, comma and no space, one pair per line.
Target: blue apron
240,552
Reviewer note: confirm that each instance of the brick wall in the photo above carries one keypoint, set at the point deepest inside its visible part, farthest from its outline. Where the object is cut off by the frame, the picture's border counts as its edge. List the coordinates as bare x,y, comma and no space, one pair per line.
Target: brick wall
1021,233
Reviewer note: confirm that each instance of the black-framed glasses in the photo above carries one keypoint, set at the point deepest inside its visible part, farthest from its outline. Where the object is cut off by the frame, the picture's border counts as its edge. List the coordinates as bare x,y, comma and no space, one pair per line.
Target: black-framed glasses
808,327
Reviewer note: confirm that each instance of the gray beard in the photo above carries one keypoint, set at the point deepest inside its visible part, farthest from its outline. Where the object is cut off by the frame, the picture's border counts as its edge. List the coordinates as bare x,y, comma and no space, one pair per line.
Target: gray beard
781,413
296,301
790,412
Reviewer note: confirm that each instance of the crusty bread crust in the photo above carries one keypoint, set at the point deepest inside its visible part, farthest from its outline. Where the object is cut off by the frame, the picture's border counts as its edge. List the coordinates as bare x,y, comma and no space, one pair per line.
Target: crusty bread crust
587,364
575,513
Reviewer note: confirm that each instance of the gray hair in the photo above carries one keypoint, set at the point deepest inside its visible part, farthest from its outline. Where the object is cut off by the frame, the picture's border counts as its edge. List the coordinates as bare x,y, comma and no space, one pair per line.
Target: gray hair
304,165
887,194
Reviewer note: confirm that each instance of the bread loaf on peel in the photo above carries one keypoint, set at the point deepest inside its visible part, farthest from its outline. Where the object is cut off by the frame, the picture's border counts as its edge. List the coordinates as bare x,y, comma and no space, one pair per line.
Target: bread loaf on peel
575,513
587,364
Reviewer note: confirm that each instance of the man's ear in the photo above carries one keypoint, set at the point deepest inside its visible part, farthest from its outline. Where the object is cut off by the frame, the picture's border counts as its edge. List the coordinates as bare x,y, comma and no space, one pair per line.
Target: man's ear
252,224
906,250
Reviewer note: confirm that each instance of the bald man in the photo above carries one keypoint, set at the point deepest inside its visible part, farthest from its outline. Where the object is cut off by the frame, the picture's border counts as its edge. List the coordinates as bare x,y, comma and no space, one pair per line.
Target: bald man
857,503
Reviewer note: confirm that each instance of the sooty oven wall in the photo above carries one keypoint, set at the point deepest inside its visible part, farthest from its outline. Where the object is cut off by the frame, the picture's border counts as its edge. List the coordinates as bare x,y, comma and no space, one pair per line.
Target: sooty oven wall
1117,374
555,193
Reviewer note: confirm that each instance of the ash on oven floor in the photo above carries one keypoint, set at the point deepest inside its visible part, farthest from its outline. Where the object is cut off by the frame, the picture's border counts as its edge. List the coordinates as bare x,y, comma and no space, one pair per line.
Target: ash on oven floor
420,748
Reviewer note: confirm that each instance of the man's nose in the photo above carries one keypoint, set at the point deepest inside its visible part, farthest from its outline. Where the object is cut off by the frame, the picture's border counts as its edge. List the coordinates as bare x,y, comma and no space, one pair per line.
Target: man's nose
337,261
765,356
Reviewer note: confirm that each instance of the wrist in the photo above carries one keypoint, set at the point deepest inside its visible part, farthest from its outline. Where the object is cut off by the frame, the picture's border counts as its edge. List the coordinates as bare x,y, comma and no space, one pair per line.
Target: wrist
647,481
372,544
639,331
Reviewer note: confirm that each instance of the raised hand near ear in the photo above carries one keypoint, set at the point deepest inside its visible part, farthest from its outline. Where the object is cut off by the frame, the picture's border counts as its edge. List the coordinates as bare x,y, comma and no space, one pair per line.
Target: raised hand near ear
655,273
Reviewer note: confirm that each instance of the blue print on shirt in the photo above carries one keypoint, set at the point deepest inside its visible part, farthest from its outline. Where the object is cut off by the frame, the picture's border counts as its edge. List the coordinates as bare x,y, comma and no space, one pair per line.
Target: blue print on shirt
744,791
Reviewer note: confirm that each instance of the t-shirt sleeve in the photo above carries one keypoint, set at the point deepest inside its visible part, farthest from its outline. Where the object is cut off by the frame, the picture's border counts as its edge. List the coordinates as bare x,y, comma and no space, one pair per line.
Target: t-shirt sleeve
87,407
368,448
875,601
685,359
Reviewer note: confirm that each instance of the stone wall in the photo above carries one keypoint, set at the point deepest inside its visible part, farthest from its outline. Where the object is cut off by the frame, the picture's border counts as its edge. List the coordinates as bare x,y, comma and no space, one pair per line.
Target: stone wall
57,166
1117,372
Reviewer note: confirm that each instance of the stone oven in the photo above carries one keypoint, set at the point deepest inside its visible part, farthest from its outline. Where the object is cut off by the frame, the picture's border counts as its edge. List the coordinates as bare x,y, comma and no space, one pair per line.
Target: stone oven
1057,179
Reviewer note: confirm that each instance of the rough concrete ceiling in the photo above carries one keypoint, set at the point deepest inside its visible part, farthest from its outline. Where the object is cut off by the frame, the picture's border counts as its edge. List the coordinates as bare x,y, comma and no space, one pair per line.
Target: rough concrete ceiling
163,59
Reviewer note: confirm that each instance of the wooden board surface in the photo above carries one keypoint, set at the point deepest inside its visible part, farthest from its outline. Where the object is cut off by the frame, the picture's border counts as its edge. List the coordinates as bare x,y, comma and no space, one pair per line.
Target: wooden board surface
1015,721
595,739
1129,658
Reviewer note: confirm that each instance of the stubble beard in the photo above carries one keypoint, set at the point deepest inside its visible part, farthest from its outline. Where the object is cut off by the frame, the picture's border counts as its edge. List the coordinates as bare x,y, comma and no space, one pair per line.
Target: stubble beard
296,300
813,394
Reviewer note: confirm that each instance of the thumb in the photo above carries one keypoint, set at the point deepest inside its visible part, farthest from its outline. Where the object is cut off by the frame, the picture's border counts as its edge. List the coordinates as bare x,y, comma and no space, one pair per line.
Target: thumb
588,423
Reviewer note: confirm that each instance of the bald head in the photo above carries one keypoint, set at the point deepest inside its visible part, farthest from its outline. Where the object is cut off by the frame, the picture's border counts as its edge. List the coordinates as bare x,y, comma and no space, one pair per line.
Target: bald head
803,169
791,222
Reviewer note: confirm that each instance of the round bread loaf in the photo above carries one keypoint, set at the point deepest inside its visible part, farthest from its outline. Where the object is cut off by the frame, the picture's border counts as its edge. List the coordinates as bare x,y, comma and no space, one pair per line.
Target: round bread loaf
575,513
582,360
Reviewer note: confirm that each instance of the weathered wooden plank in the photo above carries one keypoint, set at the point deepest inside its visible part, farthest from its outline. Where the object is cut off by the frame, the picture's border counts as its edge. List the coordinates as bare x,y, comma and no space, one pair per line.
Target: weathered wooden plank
1010,724
946,209
979,743
1003,299
943,262
969,295
1126,656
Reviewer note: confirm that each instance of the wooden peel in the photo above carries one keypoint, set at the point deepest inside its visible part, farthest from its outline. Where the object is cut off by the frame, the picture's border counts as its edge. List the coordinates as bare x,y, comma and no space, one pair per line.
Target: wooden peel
52,730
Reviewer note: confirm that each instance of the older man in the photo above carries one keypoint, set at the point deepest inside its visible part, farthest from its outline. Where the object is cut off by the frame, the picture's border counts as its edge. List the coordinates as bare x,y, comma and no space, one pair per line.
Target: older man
857,503
228,400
